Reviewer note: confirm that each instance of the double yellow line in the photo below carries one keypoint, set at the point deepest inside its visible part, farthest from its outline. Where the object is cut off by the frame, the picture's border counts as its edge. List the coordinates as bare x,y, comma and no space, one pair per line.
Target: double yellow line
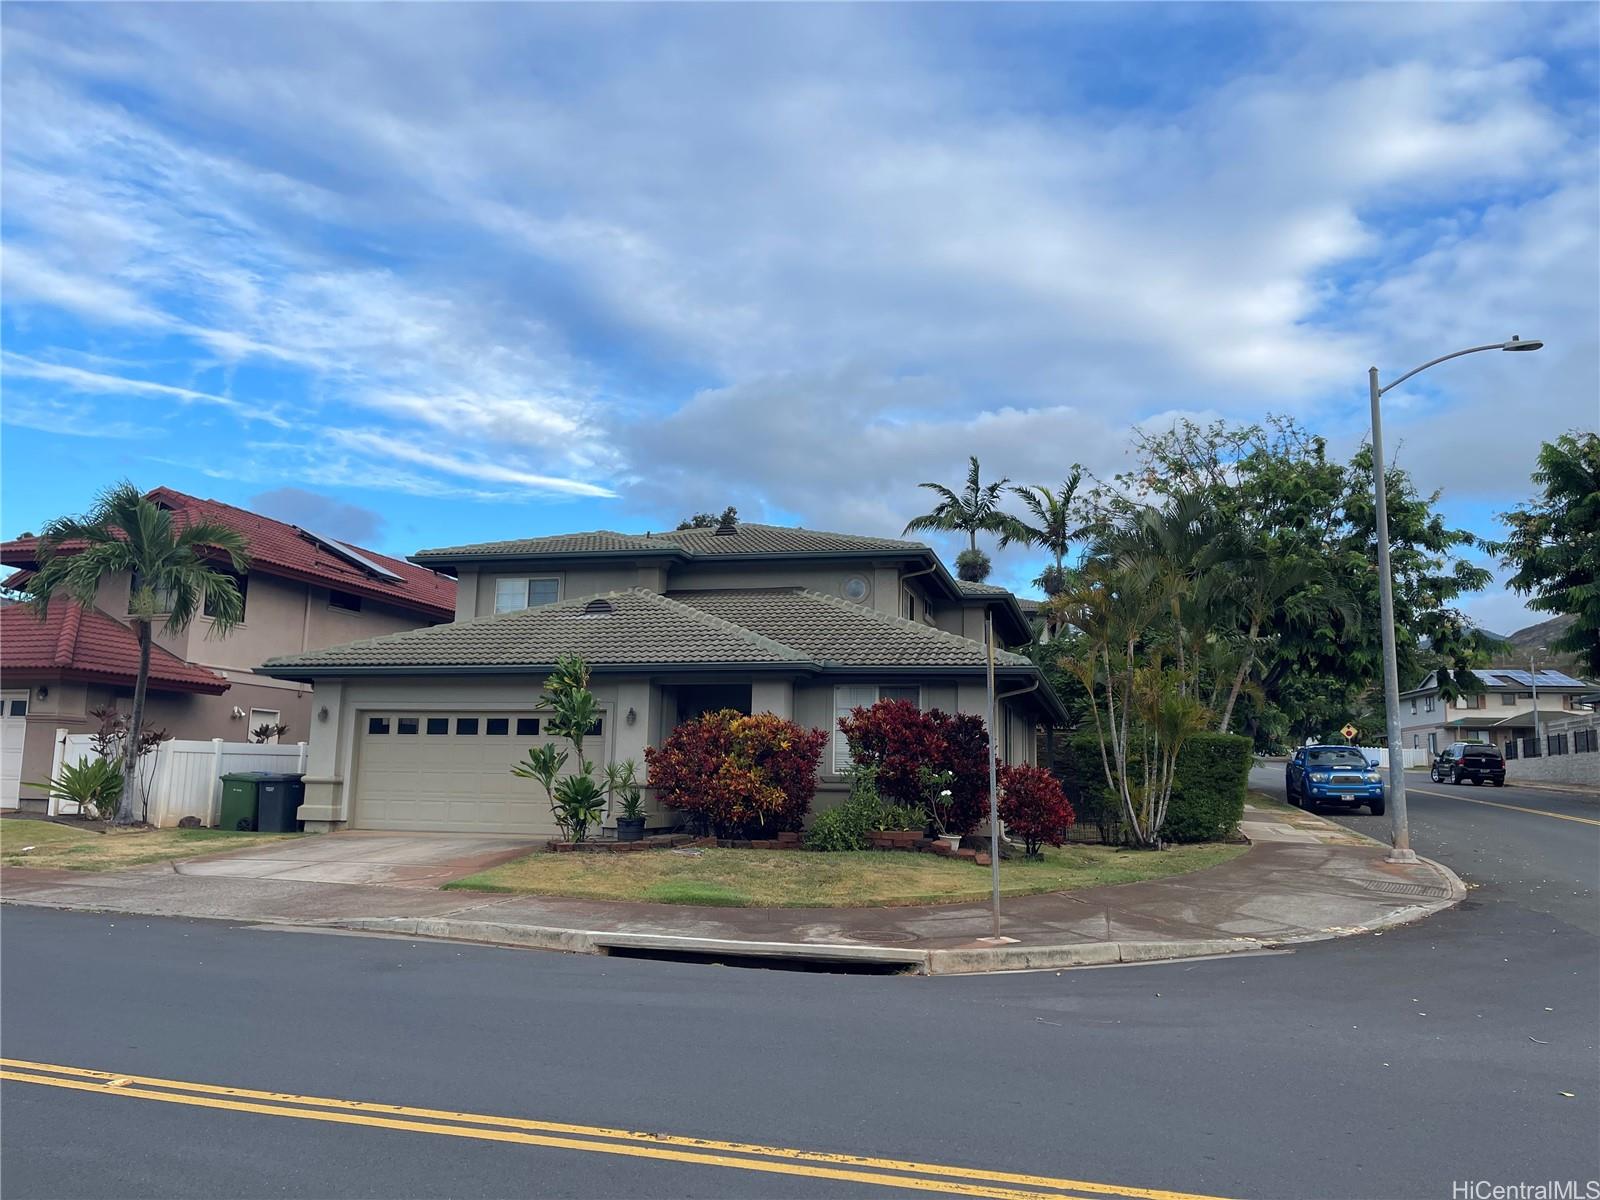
632,1143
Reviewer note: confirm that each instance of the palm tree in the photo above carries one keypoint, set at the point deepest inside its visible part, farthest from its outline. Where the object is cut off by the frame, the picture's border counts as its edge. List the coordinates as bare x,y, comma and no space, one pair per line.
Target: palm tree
1053,528
975,509
170,575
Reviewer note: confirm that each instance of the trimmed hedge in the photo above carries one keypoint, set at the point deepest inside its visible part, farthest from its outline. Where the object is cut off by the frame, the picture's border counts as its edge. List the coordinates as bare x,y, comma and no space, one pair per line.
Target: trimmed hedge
1207,795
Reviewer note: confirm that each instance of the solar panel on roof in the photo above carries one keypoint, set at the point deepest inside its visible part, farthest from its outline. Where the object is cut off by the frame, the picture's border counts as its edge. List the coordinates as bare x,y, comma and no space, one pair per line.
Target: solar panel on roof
353,557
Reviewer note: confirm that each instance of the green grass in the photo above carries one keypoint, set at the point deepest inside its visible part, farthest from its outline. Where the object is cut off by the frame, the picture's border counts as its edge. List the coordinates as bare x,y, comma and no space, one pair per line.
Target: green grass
30,843
805,879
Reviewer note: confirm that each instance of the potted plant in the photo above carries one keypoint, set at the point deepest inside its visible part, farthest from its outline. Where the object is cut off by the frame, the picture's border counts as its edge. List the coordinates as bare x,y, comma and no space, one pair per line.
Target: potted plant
622,782
936,787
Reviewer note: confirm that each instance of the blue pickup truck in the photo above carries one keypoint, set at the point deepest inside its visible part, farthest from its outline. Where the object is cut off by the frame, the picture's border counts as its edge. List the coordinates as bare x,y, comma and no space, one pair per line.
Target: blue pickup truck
1333,775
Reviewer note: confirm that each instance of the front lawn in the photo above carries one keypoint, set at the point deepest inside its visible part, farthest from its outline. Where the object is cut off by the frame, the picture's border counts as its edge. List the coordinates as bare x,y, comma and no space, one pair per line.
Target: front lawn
30,843
807,879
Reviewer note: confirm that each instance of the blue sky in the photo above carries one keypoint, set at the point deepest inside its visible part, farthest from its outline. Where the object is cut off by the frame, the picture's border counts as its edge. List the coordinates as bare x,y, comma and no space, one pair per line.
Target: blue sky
423,274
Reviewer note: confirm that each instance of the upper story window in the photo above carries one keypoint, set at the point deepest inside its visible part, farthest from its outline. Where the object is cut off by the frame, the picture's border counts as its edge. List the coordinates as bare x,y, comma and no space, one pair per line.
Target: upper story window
1509,699
346,601
1427,703
163,598
1474,701
1413,707
515,594
909,612
242,582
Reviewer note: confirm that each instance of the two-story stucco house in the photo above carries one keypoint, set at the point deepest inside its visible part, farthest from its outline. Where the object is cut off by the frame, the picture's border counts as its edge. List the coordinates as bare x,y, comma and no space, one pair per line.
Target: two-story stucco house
418,730
302,592
1501,713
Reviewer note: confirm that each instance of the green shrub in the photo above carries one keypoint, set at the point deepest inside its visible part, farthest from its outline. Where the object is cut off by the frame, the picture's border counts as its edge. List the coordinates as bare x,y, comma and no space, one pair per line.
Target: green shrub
1209,788
846,825
1207,792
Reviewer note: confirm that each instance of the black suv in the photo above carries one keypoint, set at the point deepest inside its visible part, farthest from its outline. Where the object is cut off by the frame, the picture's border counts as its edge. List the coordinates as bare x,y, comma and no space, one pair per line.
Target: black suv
1476,761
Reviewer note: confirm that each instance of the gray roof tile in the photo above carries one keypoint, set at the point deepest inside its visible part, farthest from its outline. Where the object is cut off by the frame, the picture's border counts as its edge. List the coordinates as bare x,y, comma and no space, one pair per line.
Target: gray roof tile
641,628
838,632
747,538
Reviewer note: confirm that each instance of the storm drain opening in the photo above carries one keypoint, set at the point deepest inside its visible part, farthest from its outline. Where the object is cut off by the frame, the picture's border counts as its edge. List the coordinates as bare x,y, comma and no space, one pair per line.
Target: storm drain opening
807,964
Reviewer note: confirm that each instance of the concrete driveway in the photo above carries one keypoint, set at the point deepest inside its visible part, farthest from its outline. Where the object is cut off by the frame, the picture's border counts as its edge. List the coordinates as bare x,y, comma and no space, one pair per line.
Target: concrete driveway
413,860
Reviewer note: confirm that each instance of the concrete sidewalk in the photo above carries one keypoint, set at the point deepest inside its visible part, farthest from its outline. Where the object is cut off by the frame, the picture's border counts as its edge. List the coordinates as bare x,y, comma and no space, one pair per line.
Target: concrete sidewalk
1304,879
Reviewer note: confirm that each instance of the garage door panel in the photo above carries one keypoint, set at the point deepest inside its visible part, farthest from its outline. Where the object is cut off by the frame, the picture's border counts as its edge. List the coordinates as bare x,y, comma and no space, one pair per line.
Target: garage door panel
451,782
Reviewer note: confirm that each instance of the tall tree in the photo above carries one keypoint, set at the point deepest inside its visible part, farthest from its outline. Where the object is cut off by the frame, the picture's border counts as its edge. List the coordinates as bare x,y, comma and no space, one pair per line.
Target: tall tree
1053,526
171,577
1554,543
974,510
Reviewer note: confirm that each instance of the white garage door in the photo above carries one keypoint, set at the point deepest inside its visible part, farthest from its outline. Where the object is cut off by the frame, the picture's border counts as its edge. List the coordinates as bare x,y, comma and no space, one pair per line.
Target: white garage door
451,772
13,728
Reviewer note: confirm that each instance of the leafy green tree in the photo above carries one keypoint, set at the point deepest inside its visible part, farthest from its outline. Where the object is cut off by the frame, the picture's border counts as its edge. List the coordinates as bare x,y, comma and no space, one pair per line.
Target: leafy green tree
974,510
172,579
1554,542
705,520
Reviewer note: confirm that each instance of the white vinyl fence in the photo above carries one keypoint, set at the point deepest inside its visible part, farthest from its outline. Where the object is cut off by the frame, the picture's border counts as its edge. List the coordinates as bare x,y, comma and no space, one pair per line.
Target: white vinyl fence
1410,756
182,778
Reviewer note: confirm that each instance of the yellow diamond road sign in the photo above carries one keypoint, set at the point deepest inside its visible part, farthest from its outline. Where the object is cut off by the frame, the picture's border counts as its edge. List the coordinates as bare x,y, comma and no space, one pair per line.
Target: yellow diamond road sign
1349,731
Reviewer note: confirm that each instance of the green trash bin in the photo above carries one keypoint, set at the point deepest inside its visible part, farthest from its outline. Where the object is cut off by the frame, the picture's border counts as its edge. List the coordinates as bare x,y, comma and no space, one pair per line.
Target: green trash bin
239,799
278,798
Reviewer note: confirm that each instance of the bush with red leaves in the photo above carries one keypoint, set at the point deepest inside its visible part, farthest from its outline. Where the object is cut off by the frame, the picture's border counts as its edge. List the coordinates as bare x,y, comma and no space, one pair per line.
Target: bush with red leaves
1034,807
738,776
899,739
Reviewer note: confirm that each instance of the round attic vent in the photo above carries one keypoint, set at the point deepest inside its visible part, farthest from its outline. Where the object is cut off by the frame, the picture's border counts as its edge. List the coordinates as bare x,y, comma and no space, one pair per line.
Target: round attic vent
598,608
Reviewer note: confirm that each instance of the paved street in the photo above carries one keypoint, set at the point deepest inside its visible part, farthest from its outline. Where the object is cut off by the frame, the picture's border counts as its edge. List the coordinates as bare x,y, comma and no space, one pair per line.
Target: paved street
1370,1066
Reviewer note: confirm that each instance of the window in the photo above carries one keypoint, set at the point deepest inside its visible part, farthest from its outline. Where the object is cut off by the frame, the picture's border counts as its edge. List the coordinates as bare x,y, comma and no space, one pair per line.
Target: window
377,724
438,725
1433,744
911,605
263,716
1416,741
597,728
163,598
497,726
516,594
1470,701
347,601
406,725
17,708
1508,699
1413,708
1427,703
242,582
852,696
1566,701
527,726
466,726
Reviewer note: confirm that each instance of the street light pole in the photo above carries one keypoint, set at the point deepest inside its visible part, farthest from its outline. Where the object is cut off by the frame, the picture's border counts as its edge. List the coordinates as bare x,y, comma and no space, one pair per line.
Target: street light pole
1400,829
994,798
1533,677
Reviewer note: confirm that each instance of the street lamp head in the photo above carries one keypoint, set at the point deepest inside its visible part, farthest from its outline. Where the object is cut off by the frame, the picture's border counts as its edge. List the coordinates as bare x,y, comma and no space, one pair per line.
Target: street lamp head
1517,343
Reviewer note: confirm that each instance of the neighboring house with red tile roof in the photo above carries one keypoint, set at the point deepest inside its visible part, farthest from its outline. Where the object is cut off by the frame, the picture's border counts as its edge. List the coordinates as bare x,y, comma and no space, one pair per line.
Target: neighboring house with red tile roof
302,592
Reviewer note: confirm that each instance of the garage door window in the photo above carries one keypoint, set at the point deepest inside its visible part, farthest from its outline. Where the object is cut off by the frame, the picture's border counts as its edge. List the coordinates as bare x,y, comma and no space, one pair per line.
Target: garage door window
438,724
406,725
527,726
497,726
377,725
466,726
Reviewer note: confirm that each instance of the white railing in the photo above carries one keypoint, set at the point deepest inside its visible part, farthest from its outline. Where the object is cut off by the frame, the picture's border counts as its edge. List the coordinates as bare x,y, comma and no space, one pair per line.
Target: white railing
181,778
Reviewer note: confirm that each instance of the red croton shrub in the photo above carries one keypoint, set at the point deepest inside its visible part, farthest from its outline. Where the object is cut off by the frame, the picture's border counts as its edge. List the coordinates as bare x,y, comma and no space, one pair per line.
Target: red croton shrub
1034,807
898,738
738,776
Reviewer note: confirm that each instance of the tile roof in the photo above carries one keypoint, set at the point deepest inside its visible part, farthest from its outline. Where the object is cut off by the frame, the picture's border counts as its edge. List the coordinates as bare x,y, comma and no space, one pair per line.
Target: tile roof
968,588
747,538
87,644
641,628
750,538
279,548
837,632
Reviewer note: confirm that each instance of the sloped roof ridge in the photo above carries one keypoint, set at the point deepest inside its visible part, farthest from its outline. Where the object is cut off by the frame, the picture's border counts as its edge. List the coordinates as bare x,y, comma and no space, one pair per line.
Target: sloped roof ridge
726,626
943,635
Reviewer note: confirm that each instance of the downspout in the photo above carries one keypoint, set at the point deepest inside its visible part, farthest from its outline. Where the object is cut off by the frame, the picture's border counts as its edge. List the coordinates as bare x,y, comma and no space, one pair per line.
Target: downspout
1021,691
